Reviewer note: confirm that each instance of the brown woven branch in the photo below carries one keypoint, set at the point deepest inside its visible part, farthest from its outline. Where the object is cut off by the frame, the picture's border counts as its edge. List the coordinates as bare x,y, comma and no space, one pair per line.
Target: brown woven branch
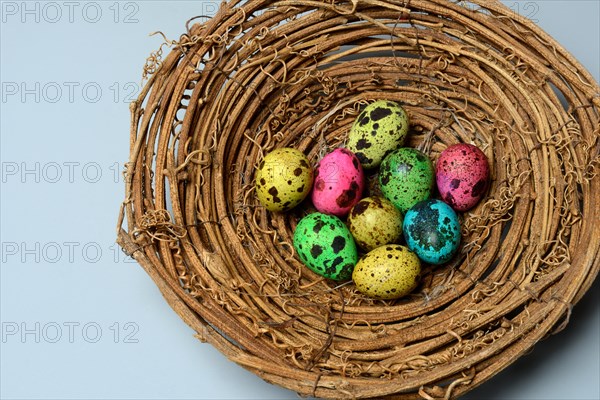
263,74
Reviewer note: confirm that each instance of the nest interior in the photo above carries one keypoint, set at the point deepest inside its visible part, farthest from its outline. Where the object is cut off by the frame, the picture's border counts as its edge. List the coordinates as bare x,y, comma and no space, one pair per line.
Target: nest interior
261,75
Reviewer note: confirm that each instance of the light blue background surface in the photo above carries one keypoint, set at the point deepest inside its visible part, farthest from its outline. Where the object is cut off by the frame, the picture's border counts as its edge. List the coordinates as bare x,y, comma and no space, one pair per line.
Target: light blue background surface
118,337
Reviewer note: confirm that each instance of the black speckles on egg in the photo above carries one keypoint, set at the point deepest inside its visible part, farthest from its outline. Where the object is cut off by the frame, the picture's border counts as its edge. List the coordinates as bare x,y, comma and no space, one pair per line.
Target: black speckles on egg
337,261
318,226
274,192
339,242
363,118
359,208
316,251
363,144
298,171
384,178
455,183
347,197
449,199
346,271
333,267
380,112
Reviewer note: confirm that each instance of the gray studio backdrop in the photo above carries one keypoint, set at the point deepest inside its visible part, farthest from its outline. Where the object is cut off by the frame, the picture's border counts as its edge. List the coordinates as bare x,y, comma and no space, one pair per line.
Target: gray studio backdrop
80,320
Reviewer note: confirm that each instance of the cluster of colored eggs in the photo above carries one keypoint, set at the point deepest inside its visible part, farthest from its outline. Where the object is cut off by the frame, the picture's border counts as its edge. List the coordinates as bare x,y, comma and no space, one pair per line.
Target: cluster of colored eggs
430,227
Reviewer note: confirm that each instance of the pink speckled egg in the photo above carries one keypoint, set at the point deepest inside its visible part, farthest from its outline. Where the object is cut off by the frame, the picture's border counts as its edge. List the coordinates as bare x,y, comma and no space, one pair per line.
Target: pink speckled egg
462,173
339,183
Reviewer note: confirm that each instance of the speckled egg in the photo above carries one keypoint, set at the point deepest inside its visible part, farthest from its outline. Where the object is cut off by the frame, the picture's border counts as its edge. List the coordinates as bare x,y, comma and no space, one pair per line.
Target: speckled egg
406,177
380,128
432,231
462,174
283,179
325,245
388,272
339,183
375,221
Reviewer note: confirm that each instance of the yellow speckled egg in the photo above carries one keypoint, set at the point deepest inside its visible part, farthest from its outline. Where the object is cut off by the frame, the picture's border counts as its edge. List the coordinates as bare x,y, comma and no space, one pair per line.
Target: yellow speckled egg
283,179
388,272
375,221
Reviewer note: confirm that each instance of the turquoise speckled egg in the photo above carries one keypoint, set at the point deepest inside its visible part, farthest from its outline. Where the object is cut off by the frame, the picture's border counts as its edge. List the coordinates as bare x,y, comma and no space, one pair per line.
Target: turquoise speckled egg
380,128
326,246
432,231
406,176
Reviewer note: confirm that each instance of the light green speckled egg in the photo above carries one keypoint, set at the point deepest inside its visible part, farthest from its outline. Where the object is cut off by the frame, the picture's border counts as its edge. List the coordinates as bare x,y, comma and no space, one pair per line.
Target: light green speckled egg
375,221
388,272
380,128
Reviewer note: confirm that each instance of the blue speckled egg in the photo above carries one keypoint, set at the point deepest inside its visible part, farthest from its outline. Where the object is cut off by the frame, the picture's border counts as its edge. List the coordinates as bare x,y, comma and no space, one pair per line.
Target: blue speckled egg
432,230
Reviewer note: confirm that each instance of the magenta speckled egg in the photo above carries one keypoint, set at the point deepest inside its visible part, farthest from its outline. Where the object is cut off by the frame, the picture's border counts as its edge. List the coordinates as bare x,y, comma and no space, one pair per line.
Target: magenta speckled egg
462,173
339,183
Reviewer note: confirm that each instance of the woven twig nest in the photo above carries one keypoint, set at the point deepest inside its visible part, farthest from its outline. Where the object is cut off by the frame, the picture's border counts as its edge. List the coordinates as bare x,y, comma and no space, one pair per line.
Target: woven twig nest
262,75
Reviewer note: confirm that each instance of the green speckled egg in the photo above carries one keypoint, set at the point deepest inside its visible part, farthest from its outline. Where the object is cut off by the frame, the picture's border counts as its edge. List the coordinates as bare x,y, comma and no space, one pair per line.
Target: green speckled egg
375,221
380,128
283,179
325,245
388,272
406,176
